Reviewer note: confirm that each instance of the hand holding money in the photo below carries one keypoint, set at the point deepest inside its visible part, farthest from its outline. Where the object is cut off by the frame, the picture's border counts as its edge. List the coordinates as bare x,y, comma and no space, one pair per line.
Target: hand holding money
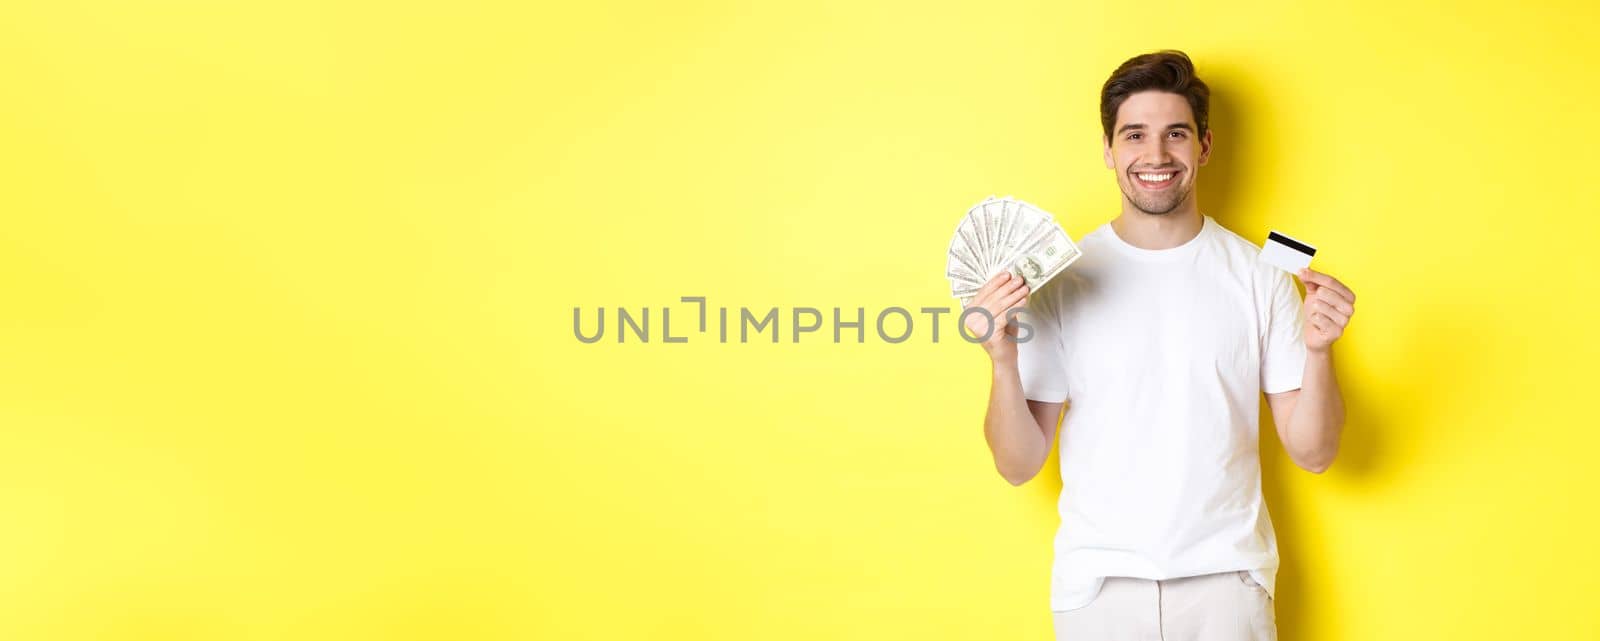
1003,250
1004,292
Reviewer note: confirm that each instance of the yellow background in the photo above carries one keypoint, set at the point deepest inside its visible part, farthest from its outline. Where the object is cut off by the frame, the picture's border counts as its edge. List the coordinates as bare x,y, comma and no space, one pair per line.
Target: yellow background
288,290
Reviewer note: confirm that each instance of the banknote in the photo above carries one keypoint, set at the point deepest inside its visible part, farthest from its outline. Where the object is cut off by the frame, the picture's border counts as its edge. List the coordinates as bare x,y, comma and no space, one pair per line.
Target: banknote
1006,234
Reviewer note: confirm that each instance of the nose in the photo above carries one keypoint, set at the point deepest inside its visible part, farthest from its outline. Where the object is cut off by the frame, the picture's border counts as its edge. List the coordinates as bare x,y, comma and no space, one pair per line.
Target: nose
1160,155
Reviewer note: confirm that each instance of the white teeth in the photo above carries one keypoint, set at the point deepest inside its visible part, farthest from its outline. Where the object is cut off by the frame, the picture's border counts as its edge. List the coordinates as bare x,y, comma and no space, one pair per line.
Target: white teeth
1154,178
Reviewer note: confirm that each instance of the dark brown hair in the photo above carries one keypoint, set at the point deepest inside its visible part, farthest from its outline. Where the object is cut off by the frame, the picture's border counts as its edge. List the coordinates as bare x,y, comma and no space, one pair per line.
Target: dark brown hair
1168,70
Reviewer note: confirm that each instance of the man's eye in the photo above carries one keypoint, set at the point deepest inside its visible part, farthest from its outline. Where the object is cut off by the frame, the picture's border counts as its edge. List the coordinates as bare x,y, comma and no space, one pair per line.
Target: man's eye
1177,134
1133,136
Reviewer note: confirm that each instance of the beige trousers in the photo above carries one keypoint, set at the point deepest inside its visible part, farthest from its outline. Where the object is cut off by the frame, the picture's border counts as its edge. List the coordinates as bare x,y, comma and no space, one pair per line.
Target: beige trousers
1228,606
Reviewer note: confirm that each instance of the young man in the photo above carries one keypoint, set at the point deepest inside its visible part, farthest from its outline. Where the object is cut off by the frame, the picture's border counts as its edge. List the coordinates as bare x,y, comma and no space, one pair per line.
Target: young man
1159,341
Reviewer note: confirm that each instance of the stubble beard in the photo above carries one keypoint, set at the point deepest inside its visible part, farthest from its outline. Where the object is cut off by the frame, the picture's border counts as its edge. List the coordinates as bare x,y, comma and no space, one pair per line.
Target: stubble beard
1154,204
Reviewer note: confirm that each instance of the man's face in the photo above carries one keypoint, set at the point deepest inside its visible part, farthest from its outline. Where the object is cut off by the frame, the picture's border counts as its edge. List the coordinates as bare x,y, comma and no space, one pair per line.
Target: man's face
1156,151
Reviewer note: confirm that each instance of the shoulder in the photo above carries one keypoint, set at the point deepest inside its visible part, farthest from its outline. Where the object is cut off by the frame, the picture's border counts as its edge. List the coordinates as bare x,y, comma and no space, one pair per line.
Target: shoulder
1243,256
1232,241
1097,235
1057,296
1098,249
1055,293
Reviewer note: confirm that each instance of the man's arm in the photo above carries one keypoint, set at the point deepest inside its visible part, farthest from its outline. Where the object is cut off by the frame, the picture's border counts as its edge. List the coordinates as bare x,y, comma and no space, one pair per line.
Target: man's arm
1019,431
1311,419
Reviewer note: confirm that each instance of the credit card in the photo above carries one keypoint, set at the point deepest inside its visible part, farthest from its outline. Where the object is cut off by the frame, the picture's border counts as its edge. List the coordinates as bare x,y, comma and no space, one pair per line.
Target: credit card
1286,253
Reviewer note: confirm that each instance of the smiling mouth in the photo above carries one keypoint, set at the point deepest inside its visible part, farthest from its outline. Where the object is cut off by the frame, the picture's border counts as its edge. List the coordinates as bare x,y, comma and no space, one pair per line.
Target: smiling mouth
1156,179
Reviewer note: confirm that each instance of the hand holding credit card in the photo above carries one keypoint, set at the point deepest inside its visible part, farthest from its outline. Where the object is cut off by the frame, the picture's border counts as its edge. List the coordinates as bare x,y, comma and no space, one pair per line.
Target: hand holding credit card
1328,303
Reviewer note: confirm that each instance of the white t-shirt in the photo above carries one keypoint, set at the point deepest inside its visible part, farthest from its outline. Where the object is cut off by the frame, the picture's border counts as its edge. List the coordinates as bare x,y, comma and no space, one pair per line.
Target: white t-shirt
1162,356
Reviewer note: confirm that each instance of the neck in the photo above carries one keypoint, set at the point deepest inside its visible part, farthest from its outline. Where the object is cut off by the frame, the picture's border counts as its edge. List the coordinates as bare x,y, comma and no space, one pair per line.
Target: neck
1158,231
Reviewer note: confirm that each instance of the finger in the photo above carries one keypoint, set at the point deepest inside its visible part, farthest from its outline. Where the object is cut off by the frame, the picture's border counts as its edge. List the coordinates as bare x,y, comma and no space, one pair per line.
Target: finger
977,324
1324,280
998,304
1334,299
1012,300
1311,288
998,313
997,286
1326,324
999,310
994,283
1315,321
1322,307
1008,282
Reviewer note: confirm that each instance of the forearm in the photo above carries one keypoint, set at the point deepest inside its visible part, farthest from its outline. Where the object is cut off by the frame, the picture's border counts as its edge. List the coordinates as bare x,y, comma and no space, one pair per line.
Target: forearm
1015,438
1318,419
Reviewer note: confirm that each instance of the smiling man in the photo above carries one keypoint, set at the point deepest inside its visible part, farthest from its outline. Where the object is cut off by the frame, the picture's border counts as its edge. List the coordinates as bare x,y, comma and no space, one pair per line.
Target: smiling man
1158,343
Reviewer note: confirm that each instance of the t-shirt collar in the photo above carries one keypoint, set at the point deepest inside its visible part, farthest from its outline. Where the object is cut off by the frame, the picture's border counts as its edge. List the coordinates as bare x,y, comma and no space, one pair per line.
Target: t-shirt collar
1187,248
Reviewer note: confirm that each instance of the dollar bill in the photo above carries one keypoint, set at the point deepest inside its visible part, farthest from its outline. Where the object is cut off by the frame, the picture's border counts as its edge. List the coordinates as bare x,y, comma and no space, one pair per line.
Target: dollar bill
1006,234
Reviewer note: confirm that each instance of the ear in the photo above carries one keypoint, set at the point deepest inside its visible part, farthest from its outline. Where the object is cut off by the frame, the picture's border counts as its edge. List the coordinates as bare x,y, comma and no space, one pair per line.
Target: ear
1205,147
1105,144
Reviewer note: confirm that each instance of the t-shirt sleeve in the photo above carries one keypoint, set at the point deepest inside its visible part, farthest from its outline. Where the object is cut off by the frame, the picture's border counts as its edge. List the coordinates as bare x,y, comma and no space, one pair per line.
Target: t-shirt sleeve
1041,358
1283,356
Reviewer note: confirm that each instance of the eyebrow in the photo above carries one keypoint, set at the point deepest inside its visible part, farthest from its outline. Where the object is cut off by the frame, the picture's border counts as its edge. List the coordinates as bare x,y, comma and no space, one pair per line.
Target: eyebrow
1140,125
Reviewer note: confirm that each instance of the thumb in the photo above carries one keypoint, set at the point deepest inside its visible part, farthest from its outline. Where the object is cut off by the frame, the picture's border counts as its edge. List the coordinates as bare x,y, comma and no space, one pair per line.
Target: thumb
1311,288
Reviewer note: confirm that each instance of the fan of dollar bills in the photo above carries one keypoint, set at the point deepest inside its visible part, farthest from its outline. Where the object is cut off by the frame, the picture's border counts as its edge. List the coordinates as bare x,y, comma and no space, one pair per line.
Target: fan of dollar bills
1006,234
